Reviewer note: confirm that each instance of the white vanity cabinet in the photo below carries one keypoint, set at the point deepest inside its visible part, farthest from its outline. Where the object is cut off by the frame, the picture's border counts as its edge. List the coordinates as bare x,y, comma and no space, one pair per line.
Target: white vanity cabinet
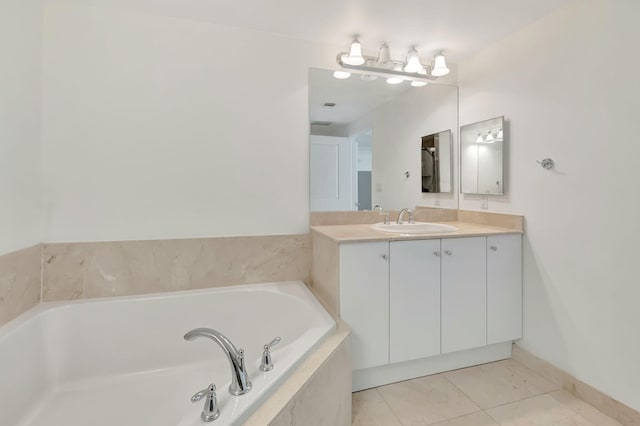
504,288
464,293
414,299
364,301
425,306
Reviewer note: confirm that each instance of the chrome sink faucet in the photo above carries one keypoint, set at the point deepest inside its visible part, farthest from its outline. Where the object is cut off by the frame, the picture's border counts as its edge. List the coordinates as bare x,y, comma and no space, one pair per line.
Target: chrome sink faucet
240,383
402,212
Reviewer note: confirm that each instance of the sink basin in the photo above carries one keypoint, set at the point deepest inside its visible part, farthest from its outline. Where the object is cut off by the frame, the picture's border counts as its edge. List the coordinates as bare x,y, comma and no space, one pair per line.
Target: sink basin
414,228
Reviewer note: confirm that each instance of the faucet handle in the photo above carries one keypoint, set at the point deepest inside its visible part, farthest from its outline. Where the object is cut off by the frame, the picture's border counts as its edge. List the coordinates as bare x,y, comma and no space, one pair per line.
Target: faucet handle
210,412
267,362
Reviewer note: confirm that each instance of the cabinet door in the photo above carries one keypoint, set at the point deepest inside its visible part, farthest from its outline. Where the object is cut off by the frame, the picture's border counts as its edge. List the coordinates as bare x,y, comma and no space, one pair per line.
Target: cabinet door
464,293
504,288
364,301
414,304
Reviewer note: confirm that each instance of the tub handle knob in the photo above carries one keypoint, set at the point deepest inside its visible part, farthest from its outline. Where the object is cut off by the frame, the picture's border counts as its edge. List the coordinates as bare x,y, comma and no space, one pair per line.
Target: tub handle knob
210,412
267,362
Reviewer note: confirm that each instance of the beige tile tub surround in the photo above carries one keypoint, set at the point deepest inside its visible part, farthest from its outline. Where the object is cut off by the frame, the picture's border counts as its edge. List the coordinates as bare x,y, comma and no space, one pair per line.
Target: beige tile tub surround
623,414
85,270
19,282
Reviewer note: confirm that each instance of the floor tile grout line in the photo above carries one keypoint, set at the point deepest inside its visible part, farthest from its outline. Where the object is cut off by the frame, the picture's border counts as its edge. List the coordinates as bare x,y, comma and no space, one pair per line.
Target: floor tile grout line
388,405
463,392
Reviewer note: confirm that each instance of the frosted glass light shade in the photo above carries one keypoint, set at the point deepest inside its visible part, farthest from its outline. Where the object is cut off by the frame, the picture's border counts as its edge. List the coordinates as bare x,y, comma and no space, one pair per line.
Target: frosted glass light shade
413,61
439,66
394,80
479,139
341,75
355,54
500,134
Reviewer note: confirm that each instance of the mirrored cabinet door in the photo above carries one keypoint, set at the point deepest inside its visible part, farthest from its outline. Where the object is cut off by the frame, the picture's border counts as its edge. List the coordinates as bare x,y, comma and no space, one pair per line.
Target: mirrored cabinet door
482,148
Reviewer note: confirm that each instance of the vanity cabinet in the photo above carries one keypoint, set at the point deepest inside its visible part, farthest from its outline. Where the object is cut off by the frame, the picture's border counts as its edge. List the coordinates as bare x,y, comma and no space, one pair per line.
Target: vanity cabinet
419,299
414,299
364,302
504,288
464,292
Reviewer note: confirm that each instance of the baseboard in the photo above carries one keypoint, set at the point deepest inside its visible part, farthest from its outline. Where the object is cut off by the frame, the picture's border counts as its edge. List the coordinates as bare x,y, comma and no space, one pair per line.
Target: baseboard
609,406
378,376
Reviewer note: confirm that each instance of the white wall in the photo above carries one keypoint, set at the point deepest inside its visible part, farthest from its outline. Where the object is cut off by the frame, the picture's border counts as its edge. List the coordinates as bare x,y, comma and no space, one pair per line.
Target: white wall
397,131
20,71
159,127
568,86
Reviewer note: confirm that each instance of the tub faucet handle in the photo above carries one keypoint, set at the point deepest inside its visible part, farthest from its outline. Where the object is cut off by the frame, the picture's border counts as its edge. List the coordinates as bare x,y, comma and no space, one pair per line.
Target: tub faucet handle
210,412
267,362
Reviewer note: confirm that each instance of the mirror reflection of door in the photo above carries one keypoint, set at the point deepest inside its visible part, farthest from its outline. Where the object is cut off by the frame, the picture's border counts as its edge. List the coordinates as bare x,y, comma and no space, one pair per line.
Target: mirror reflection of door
430,172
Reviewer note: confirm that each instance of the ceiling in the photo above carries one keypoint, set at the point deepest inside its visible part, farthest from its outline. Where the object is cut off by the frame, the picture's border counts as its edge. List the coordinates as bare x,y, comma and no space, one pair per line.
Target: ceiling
460,27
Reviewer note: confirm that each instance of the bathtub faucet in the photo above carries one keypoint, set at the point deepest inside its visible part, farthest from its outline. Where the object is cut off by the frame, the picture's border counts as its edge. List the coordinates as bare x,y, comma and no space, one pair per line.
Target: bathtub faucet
240,383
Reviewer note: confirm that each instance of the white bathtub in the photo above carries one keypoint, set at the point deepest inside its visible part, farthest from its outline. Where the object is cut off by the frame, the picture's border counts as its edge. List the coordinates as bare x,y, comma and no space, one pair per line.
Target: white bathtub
123,361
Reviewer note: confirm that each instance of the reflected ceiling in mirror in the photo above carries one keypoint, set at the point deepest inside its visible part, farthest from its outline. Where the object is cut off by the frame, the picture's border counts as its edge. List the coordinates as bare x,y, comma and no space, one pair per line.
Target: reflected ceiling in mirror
366,142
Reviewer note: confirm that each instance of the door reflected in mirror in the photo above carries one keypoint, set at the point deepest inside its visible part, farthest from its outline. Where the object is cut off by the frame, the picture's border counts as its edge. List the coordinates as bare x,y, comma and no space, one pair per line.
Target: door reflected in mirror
436,153
366,143
482,157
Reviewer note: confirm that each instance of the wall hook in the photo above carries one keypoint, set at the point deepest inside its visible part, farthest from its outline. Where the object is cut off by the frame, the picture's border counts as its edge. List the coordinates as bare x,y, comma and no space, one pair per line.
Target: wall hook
546,163
407,174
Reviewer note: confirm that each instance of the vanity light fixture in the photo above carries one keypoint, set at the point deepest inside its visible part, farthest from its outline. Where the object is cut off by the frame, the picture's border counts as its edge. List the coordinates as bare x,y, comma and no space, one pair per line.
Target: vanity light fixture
369,77
439,66
413,64
341,75
355,53
420,83
395,80
384,57
396,71
479,139
489,138
500,135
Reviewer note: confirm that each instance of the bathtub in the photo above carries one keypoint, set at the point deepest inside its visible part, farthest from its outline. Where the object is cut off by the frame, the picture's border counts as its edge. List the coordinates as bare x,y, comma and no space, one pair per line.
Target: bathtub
123,361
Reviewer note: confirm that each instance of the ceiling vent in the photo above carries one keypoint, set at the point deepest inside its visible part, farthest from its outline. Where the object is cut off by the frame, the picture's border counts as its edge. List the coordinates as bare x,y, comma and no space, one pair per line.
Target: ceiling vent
329,104
321,123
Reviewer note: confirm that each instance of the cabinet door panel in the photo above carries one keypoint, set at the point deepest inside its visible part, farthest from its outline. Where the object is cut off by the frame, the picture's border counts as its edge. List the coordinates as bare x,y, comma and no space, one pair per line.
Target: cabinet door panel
464,293
414,303
504,288
364,301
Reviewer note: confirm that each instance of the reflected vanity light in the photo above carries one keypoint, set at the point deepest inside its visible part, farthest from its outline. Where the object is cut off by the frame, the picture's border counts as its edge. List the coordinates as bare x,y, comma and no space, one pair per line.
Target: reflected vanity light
396,71
341,75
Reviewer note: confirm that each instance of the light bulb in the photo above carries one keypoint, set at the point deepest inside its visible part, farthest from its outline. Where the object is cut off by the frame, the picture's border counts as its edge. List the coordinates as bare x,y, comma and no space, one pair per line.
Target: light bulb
395,80
341,75
384,57
500,134
420,83
413,61
355,54
439,66
490,138
479,139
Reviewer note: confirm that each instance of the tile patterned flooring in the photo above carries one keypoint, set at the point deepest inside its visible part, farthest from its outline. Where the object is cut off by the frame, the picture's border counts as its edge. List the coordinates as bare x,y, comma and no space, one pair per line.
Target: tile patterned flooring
500,393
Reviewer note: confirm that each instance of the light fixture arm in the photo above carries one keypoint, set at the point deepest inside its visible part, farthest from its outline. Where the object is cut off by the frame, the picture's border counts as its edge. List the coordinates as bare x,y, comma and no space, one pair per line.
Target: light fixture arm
384,72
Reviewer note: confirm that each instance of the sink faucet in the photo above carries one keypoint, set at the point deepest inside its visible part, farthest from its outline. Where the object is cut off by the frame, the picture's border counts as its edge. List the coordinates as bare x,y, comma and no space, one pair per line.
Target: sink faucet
240,383
409,211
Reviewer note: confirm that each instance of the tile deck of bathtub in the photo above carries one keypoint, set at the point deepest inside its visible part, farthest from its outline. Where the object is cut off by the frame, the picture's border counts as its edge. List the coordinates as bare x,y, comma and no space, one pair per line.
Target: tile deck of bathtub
500,393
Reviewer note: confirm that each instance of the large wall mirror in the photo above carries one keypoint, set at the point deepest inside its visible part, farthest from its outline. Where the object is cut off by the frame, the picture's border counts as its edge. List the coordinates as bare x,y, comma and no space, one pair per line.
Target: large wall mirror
482,157
375,143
